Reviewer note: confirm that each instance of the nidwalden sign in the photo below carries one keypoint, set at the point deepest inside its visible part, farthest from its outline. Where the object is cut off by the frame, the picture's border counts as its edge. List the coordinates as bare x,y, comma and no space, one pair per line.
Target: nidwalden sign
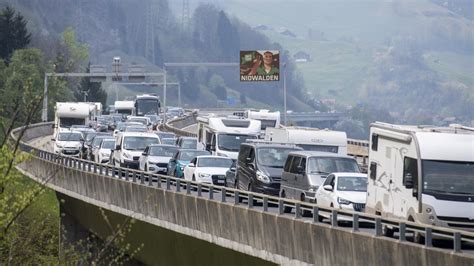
260,65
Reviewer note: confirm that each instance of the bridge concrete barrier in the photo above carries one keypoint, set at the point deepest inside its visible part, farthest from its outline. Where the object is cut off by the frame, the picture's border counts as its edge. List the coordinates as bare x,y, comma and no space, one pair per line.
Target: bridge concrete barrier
263,235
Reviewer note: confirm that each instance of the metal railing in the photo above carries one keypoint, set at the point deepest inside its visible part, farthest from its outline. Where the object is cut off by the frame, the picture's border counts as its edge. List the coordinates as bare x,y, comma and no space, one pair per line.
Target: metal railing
303,210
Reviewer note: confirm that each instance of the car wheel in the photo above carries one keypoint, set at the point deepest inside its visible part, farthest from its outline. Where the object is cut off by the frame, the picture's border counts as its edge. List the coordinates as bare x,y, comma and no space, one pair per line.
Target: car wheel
145,168
194,178
286,209
304,213
387,231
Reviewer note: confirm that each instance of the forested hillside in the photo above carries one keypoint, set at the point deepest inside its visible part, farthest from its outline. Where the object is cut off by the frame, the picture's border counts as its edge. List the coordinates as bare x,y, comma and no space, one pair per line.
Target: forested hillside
112,28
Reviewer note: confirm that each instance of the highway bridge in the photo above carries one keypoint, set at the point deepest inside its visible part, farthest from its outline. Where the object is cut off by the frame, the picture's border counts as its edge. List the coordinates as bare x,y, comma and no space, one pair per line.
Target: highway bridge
181,222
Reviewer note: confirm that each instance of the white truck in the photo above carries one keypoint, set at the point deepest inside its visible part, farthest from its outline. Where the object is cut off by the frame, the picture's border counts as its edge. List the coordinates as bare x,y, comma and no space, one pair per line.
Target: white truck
223,135
311,139
422,174
125,107
267,118
67,114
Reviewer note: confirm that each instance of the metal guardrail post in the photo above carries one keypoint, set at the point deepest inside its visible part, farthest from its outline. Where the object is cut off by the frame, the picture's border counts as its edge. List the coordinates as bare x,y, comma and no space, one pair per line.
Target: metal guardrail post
223,194
378,227
250,200
315,214
89,167
120,173
428,237
178,185
456,242
134,177
236,197
402,232
297,210
334,218
150,179
188,187
265,204
281,206
211,192
355,222
126,174
168,183
199,190
158,182
142,178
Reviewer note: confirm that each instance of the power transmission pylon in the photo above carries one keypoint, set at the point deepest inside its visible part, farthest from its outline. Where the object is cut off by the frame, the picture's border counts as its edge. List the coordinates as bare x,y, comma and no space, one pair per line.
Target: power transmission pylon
185,16
152,10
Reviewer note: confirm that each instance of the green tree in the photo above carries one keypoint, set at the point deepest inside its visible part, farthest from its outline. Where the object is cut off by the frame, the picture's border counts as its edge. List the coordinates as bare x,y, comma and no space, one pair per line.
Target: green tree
13,33
92,90
228,38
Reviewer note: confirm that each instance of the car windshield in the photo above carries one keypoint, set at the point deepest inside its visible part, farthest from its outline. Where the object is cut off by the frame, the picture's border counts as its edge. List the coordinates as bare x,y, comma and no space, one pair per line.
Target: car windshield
162,151
147,106
448,177
189,155
189,143
169,141
214,162
273,157
96,141
108,144
138,142
326,165
66,136
231,142
67,122
267,123
352,183
324,148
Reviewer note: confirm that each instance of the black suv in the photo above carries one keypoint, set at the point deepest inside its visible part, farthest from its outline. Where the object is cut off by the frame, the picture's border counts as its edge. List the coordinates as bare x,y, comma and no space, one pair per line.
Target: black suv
260,165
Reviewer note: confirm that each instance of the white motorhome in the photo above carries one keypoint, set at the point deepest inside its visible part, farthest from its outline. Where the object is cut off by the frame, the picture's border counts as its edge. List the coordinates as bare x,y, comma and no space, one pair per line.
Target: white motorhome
311,139
125,107
267,118
423,174
67,114
223,135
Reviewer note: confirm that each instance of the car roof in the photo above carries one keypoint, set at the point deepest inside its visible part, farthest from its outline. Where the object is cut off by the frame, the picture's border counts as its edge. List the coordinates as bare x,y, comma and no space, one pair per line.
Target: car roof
212,156
162,145
271,145
191,150
338,174
137,134
319,154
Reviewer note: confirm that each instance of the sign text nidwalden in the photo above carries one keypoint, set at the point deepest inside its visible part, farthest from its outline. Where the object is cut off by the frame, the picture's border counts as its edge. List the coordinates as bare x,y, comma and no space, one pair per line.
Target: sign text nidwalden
260,65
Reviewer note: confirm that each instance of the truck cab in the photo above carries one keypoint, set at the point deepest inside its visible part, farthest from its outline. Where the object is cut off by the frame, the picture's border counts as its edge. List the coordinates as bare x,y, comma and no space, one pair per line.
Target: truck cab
222,136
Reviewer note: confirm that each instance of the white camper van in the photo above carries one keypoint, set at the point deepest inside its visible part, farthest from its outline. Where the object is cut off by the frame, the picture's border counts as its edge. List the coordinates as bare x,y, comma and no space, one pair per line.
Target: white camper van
422,174
267,118
67,114
125,107
223,135
311,139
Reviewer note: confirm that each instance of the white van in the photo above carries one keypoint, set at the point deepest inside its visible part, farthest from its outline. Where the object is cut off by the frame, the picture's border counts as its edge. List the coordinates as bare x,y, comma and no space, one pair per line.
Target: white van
266,118
129,146
222,136
311,139
423,174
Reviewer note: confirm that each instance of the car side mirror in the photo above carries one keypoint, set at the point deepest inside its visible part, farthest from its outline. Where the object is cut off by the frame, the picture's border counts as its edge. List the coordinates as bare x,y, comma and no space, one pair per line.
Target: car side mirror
144,153
328,187
408,180
117,147
53,139
233,168
191,165
248,160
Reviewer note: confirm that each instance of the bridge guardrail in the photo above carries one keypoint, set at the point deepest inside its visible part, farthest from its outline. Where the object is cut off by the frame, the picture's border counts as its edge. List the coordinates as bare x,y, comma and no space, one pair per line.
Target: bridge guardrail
183,121
237,197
